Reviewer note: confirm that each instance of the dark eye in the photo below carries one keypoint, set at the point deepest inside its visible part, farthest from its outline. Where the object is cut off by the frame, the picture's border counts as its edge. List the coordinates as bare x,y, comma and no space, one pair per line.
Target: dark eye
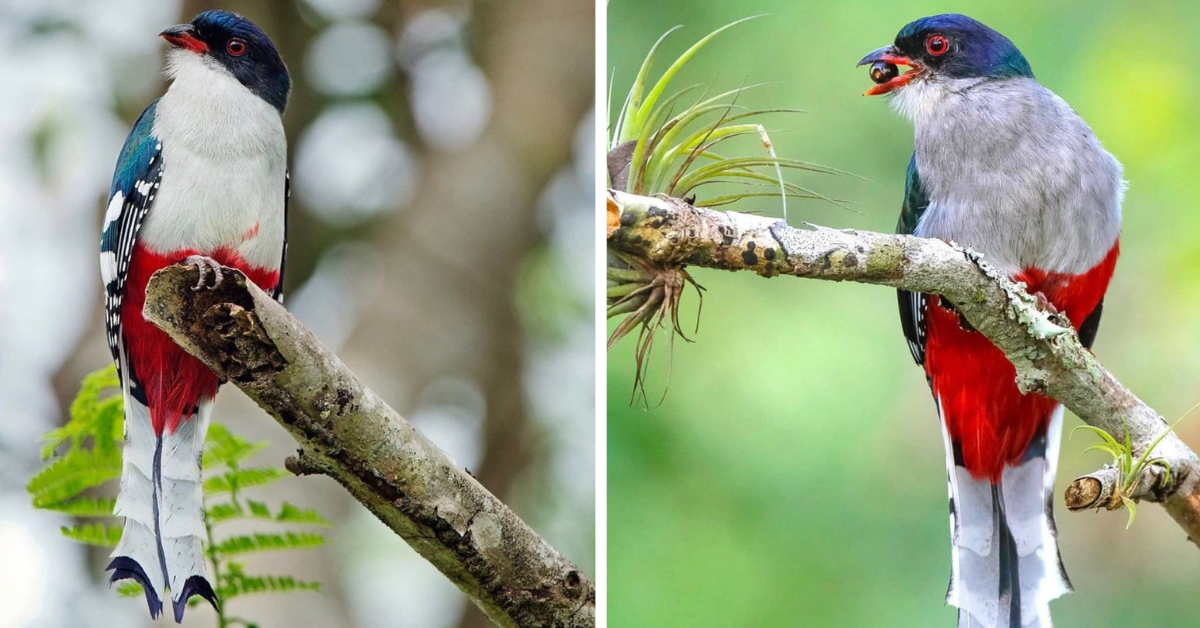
937,45
236,47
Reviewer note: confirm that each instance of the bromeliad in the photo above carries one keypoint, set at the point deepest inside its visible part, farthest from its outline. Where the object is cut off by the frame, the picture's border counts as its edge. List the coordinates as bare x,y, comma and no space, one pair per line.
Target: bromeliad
201,180
1004,166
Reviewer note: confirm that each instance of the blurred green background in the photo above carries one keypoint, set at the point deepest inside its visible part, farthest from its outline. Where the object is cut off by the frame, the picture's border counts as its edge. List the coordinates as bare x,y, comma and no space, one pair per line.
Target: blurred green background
794,474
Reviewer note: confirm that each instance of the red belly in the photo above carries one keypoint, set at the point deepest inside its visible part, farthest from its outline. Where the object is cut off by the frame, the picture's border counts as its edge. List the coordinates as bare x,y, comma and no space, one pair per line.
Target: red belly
173,381
975,384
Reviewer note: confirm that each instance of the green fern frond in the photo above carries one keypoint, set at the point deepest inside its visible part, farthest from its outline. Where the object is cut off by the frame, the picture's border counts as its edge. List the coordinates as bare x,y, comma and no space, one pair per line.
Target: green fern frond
240,479
236,582
246,585
260,542
85,507
221,512
98,534
90,416
300,516
258,509
89,457
72,474
225,448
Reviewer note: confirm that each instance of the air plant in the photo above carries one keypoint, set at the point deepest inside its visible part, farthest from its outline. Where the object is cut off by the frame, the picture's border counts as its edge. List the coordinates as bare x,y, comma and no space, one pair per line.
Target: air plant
1129,470
660,146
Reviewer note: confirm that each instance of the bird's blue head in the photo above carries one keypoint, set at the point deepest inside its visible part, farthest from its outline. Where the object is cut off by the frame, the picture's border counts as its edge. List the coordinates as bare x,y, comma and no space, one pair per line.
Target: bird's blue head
951,46
241,48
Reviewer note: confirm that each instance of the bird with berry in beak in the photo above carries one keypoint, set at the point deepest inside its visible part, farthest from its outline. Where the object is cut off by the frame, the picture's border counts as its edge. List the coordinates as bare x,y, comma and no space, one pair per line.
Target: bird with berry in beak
1004,166
201,180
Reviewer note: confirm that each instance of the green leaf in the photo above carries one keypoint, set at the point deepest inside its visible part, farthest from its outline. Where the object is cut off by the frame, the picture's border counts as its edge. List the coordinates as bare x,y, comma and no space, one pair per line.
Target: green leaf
650,137
90,416
70,475
1127,455
1105,447
1099,432
129,588
626,128
1137,468
666,153
223,447
97,534
732,163
259,509
1166,466
239,584
85,507
293,514
642,109
222,511
725,199
288,513
260,542
242,479
1132,510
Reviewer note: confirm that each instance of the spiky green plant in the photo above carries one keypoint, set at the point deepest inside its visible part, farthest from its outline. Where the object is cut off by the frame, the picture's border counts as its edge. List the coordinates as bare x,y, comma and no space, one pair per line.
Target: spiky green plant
654,150
662,144
1128,468
83,457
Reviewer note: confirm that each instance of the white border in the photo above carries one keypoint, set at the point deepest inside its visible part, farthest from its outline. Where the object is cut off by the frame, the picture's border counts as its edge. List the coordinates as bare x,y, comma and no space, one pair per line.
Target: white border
601,118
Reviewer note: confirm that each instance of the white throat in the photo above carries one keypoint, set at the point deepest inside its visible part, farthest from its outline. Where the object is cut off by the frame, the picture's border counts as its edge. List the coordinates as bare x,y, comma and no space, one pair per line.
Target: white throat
207,109
223,168
924,97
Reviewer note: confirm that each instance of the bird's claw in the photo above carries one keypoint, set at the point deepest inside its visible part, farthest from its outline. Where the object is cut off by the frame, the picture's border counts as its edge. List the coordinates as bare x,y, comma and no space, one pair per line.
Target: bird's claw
203,264
1044,302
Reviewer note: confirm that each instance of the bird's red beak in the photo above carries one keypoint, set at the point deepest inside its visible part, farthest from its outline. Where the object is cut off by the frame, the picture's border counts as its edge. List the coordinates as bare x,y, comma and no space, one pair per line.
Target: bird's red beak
184,36
889,54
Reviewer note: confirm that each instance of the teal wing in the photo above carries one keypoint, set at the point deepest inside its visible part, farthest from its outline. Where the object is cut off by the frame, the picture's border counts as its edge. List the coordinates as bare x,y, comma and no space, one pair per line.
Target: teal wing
913,305
135,182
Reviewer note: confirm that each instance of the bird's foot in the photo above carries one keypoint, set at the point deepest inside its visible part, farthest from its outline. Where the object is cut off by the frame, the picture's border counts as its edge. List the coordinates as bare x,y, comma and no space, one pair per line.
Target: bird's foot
204,264
1044,302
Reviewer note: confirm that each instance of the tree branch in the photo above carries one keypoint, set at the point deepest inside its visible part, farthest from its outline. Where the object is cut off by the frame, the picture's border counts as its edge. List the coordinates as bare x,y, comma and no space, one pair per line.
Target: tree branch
1043,347
346,432
1100,489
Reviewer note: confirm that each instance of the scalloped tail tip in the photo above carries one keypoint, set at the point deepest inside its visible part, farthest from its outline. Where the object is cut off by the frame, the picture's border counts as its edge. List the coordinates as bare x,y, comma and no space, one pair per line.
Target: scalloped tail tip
126,568
196,585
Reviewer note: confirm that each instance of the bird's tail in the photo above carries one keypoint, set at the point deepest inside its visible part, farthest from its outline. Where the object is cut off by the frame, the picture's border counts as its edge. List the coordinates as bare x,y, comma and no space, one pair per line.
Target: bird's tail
1005,566
161,500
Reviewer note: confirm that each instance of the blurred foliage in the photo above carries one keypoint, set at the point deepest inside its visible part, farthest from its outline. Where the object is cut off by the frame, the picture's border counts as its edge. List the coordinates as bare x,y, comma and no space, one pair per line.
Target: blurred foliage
90,459
794,475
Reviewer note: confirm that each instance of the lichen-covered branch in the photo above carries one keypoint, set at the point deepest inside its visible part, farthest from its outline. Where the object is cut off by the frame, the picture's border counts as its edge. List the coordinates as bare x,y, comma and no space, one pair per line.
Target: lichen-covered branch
1042,346
348,433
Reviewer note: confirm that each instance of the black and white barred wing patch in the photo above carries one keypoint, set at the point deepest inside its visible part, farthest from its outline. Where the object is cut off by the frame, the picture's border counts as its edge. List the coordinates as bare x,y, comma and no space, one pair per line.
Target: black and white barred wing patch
914,308
123,220
135,184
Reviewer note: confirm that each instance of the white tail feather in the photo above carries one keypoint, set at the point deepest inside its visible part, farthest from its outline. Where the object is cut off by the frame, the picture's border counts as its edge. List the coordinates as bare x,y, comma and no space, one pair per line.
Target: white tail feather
1003,535
136,498
182,494
161,498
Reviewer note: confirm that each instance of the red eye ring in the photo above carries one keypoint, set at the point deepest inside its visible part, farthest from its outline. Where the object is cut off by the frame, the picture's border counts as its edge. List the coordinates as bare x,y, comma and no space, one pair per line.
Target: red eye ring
937,45
236,47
